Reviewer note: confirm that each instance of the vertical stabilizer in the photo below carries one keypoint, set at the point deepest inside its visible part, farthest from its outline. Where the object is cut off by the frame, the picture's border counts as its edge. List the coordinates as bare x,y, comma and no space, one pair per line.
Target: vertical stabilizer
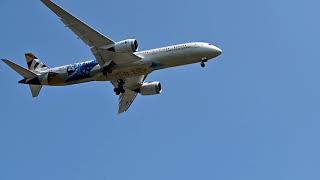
34,64
35,90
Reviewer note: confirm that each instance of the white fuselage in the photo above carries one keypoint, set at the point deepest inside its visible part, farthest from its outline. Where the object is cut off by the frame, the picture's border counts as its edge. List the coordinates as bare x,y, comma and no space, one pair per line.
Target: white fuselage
181,54
151,60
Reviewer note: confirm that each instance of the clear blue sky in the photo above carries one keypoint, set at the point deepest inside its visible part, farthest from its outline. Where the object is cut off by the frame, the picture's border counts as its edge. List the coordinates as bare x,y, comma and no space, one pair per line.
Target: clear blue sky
252,114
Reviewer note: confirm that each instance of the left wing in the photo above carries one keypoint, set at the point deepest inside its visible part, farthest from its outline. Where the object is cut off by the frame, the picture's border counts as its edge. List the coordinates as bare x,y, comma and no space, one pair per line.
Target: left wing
87,34
130,84
94,39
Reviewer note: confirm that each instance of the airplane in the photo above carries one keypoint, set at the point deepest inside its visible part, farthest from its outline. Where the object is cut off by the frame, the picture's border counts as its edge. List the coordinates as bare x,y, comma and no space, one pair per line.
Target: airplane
118,62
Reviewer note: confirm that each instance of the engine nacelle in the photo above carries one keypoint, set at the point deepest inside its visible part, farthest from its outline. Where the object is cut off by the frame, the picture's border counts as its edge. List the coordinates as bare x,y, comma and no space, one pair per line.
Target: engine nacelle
151,88
125,46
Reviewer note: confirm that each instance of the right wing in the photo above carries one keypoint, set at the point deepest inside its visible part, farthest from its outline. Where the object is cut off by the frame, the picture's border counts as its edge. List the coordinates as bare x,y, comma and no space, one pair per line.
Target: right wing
125,100
91,37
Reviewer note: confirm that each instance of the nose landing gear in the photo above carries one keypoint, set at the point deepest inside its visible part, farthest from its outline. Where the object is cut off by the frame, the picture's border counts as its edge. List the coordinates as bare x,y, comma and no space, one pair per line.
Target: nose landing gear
203,61
203,64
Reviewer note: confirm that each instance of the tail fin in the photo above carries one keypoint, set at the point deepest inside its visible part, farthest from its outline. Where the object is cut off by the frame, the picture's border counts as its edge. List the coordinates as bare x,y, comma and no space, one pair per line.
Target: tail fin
27,74
34,64
35,90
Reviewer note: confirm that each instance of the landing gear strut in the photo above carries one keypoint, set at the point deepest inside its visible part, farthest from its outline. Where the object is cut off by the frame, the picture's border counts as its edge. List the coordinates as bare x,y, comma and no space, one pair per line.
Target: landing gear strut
203,61
119,90
107,69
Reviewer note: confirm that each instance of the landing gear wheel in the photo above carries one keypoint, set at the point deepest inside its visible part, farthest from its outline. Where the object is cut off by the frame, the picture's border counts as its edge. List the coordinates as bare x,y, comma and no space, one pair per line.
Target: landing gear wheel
117,91
203,64
107,69
120,82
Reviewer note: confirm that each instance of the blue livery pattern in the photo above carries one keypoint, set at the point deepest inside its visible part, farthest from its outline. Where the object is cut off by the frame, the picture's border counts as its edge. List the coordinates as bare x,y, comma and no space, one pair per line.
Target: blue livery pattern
80,70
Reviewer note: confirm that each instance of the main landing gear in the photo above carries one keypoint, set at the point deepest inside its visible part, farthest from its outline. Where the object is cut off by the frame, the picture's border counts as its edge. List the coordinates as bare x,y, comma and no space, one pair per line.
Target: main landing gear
107,69
119,90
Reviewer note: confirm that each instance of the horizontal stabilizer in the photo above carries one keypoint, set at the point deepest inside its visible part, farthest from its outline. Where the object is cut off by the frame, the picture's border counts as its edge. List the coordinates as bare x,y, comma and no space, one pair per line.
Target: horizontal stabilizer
20,70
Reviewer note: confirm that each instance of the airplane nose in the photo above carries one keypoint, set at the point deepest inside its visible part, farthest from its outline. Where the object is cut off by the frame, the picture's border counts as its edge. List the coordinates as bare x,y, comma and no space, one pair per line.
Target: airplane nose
217,51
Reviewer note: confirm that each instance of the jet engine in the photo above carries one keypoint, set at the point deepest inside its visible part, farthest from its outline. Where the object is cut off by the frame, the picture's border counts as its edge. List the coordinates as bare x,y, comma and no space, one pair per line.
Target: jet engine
125,46
151,88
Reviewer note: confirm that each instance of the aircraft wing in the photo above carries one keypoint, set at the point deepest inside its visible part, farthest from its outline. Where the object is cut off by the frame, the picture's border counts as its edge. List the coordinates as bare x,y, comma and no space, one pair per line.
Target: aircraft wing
125,100
91,37
130,84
